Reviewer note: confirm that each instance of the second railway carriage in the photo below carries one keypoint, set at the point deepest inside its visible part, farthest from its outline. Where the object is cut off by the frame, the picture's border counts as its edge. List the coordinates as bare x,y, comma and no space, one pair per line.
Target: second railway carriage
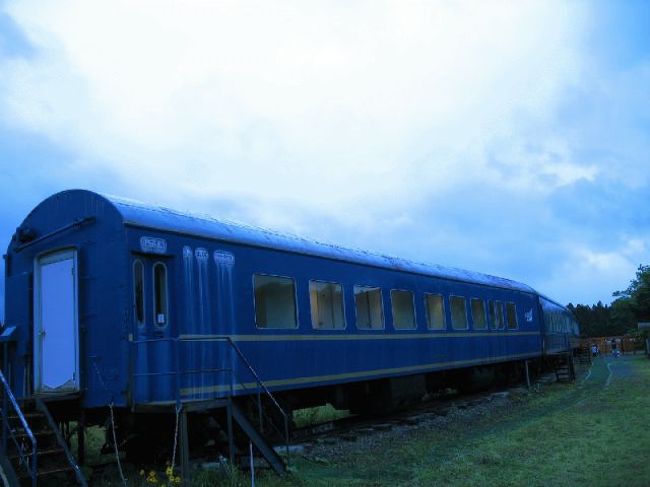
116,302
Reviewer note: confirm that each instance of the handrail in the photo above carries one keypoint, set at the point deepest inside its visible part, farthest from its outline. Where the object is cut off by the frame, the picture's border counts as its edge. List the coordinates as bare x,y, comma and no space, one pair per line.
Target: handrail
40,405
6,430
178,372
261,384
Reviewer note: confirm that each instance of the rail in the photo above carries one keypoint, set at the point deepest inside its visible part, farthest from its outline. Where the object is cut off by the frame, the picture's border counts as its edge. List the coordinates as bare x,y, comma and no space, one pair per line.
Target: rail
178,372
27,458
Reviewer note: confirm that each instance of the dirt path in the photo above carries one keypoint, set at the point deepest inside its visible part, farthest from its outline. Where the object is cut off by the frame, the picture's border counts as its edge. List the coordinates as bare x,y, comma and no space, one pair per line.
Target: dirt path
607,369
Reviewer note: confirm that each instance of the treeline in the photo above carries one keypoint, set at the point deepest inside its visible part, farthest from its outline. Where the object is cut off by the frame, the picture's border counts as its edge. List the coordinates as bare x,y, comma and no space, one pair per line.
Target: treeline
630,306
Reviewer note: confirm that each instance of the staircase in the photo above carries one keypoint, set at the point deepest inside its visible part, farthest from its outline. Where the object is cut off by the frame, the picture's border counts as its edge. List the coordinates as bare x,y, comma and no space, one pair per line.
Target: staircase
33,449
565,368
275,461
251,416
583,356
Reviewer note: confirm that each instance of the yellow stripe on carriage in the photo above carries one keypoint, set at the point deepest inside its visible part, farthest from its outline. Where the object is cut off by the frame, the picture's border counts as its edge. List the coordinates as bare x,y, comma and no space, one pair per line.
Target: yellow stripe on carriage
353,375
344,336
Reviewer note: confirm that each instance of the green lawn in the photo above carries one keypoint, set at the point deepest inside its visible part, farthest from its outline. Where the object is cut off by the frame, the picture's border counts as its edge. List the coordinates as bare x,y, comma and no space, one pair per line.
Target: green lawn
595,432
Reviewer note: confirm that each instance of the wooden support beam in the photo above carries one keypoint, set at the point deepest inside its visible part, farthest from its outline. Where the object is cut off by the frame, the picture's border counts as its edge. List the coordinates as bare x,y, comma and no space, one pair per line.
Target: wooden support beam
231,440
185,449
81,438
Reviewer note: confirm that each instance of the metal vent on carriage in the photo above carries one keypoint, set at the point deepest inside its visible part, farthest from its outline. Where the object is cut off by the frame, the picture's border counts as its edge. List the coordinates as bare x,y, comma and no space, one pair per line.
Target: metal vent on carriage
25,234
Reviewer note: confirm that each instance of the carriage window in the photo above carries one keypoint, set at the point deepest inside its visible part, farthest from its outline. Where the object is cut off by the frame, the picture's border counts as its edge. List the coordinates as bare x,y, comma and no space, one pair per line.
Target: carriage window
275,302
511,316
138,292
368,303
458,313
435,307
326,299
478,314
496,314
403,309
160,294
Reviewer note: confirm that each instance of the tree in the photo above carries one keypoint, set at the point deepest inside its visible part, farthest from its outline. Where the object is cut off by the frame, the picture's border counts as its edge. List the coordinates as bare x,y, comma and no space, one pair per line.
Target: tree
633,304
629,307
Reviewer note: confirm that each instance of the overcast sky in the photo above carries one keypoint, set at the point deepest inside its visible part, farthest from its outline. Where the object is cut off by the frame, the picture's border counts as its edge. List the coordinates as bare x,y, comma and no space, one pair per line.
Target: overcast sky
510,138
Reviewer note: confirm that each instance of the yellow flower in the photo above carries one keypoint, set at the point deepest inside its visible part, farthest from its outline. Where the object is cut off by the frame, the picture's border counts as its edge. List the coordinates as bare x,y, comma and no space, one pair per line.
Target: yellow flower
152,478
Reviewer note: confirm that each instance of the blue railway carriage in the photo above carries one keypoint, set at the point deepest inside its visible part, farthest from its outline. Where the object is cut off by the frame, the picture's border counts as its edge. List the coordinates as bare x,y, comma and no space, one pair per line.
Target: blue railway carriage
116,302
560,328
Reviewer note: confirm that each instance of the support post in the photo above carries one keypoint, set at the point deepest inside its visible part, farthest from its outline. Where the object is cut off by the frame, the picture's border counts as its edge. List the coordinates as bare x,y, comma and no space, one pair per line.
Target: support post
81,438
527,374
5,421
572,367
185,449
231,441
5,361
259,410
5,398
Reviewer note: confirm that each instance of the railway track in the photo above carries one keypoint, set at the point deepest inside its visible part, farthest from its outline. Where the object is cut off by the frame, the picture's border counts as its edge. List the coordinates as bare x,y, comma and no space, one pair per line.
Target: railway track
353,427
319,439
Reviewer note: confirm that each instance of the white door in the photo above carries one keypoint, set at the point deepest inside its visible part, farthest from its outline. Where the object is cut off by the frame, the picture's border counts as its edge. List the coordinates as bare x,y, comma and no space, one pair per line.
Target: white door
56,349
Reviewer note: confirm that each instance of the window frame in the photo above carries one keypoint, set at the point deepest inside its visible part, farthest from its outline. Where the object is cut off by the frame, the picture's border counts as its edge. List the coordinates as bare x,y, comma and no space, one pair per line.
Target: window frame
426,311
485,316
392,309
503,316
451,311
295,301
139,324
345,320
155,298
514,305
494,305
381,301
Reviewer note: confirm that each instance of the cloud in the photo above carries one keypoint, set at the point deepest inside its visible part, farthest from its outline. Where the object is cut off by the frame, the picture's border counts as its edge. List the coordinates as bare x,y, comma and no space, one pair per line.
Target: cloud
333,103
605,272
450,132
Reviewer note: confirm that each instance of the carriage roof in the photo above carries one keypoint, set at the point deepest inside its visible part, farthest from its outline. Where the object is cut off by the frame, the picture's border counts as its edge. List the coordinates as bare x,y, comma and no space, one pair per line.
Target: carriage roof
138,214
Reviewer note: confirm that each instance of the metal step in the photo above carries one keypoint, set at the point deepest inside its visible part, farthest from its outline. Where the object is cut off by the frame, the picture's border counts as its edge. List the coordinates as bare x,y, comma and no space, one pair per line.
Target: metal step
70,463
52,455
50,471
40,453
267,451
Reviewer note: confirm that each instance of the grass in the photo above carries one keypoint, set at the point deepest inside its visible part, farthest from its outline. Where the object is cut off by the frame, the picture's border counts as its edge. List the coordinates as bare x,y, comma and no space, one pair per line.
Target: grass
589,433
595,432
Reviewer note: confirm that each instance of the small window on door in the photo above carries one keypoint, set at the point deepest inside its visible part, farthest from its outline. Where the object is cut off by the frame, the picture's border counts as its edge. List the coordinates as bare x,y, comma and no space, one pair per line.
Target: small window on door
160,309
138,292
